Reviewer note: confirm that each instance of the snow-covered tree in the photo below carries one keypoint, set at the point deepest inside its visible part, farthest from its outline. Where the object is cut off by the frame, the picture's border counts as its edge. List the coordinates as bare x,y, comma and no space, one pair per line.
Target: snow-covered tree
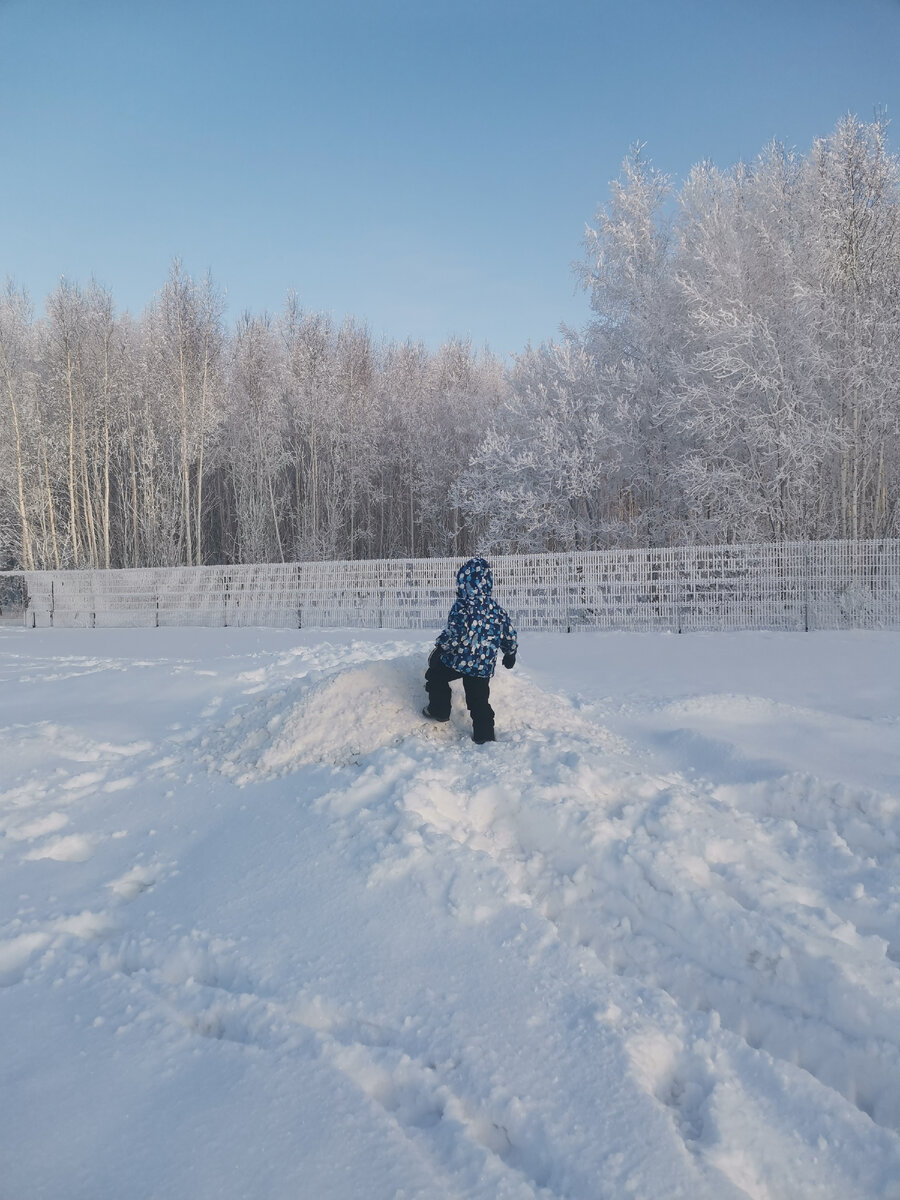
183,356
636,340
545,476
19,486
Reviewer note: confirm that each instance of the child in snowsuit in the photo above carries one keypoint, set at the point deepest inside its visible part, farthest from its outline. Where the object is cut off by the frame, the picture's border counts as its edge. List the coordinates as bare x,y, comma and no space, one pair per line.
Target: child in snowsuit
477,628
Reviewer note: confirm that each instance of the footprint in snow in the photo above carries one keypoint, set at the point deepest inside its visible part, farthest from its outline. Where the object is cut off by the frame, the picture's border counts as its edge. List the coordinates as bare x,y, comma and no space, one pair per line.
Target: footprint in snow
130,885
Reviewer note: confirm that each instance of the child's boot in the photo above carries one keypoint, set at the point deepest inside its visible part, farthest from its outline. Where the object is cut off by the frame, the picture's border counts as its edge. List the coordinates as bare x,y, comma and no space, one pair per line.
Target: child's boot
483,729
426,712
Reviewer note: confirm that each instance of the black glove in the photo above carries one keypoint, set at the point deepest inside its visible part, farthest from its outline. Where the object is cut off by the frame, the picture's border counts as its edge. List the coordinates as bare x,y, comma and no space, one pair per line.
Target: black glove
509,661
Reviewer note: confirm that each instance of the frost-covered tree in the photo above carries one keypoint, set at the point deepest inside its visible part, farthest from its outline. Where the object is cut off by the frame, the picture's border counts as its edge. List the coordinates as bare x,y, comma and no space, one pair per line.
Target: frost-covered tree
752,401
545,476
251,504
456,407
183,332
636,337
856,239
19,486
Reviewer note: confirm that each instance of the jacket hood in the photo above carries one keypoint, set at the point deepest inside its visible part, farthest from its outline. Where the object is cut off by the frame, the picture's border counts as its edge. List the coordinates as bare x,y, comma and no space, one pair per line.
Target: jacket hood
474,580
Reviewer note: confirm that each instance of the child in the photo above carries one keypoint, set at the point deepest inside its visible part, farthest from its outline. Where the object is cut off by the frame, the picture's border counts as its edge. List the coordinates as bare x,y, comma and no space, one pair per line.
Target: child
477,628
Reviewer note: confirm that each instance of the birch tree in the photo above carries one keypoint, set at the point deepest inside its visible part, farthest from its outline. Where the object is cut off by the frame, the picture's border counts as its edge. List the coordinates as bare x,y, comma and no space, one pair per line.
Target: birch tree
252,500
184,351
856,237
15,449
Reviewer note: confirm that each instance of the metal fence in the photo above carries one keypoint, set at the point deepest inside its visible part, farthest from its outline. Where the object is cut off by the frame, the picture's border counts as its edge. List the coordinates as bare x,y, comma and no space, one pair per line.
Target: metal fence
794,585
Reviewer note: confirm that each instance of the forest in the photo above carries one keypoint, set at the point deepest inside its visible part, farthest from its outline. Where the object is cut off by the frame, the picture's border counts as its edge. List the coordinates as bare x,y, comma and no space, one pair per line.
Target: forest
738,380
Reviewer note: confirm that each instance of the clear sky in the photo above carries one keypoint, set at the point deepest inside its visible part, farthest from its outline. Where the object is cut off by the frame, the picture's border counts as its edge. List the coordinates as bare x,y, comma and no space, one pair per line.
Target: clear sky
428,167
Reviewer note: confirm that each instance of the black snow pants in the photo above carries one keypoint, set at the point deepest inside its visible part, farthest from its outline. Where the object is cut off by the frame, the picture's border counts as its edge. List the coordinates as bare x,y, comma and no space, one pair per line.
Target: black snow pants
438,678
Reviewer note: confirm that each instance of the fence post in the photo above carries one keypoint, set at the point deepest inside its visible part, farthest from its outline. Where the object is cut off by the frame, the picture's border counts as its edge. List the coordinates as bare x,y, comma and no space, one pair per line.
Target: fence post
806,550
569,584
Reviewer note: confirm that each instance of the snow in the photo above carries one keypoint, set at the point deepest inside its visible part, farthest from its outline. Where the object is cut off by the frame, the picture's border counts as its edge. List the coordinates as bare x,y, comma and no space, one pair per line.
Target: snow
266,932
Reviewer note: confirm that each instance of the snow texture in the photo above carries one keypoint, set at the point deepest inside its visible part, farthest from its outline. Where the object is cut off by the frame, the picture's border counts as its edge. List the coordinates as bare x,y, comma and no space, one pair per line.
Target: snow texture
267,933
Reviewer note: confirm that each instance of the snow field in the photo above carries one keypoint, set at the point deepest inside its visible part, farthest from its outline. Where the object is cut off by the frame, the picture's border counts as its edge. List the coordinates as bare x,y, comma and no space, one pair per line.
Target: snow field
268,932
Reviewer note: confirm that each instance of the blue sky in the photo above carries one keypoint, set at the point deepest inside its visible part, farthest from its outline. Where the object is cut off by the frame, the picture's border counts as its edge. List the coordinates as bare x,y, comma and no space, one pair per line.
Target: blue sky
427,167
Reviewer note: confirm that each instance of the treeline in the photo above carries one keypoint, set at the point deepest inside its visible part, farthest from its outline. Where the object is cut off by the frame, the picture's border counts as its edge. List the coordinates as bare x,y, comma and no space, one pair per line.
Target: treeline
171,440
739,381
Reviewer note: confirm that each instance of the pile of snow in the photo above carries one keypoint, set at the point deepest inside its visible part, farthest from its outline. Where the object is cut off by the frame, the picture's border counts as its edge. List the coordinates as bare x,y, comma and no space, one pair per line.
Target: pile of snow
267,932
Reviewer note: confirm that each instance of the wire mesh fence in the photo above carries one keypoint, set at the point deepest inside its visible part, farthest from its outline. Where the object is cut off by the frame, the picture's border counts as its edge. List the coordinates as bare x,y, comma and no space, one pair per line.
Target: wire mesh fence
788,585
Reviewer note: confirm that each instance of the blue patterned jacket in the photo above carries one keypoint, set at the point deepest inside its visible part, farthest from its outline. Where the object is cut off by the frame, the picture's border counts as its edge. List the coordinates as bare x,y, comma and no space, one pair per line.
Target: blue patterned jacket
477,626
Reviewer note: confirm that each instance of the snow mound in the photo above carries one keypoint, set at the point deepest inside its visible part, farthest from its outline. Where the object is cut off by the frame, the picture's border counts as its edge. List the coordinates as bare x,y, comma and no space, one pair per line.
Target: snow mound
348,717
351,714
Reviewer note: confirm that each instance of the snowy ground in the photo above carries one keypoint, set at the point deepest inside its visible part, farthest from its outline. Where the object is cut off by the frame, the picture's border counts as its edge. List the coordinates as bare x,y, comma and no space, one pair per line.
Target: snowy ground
266,933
